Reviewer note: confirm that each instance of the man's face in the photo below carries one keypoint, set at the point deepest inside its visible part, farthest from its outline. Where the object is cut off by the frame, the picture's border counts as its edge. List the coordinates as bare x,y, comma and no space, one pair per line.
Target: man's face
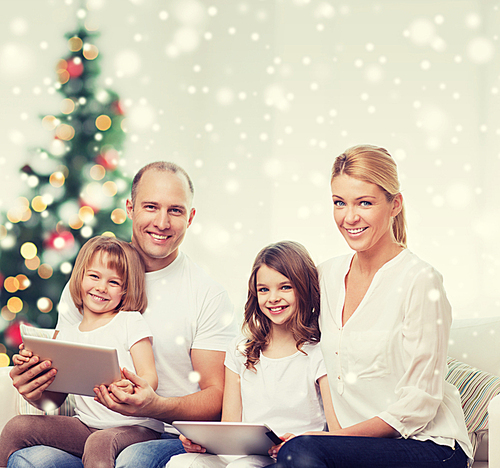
160,216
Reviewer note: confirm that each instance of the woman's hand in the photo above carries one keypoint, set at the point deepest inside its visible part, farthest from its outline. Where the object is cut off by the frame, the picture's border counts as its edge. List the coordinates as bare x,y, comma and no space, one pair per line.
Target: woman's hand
190,447
273,451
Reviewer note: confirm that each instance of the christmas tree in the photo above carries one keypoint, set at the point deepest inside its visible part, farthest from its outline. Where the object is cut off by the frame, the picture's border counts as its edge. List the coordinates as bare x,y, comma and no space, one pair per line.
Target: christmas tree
74,190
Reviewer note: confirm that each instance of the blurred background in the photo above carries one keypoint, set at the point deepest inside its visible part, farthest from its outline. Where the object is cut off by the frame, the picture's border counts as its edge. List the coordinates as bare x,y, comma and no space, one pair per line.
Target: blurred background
255,99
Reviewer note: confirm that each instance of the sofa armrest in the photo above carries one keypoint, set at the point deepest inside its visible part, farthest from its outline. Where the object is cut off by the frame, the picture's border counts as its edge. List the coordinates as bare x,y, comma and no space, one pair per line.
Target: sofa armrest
494,432
8,397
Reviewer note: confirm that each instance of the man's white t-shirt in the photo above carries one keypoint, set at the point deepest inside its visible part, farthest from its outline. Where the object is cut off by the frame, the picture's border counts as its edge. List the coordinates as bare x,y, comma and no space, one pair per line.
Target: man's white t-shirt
186,310
122,332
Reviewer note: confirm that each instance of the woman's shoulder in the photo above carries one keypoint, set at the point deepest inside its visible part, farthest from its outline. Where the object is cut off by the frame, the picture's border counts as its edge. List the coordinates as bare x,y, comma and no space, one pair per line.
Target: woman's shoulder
418,268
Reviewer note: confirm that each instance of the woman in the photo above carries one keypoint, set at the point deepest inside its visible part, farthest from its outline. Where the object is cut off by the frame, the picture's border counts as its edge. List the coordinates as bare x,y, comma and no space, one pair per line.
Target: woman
385,323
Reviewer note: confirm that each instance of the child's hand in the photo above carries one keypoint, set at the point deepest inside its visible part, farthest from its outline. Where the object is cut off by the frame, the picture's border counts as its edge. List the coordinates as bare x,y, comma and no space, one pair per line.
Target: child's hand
190,447
273,451
125,385
22,357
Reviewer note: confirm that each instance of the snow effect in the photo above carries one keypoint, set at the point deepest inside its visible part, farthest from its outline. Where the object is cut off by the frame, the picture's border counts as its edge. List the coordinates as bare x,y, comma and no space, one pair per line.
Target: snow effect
255,99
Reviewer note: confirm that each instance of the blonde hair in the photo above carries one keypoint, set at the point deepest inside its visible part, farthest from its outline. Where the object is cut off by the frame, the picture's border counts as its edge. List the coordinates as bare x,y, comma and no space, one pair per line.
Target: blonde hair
292,260
121,257
374,165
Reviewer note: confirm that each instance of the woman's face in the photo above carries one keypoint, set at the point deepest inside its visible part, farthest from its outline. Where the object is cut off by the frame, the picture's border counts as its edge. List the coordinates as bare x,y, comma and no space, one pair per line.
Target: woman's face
363,214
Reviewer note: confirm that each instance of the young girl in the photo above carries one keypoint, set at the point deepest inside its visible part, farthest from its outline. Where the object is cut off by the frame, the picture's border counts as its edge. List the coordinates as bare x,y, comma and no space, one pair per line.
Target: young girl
107,280
276,374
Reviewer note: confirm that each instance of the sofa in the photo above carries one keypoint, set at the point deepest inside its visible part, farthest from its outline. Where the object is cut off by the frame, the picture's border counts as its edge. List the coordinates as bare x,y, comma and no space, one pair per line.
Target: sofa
474,368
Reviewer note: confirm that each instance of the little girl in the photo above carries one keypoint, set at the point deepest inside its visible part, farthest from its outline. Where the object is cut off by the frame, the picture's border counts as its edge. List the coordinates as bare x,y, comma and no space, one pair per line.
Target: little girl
107,280
276,374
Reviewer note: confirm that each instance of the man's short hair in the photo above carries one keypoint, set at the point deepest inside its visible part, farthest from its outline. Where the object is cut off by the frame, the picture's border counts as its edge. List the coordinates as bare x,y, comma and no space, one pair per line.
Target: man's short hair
160,166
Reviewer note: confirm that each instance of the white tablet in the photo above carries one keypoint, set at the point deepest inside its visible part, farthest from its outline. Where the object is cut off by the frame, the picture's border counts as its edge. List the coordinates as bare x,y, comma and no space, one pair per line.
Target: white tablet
229,438
79,367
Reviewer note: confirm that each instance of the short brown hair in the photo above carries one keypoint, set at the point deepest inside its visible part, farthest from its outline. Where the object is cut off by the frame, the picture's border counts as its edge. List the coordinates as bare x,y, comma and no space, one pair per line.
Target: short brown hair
121,257
160,166
374,165
292,260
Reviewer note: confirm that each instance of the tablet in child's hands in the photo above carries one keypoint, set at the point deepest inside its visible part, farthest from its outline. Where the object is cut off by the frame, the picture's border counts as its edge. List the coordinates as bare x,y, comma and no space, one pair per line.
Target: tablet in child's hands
80,367
229,438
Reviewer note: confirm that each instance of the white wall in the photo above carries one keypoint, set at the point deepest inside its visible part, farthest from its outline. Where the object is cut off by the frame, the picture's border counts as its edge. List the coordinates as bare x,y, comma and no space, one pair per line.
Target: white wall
255,99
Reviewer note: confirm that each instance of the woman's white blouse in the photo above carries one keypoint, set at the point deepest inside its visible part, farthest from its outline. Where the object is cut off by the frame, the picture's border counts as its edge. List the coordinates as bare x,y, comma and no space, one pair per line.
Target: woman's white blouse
389,359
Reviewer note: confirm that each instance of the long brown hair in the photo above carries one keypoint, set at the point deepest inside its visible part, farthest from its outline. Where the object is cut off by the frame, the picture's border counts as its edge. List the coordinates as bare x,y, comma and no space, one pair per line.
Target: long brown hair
374,165
121,257
292,260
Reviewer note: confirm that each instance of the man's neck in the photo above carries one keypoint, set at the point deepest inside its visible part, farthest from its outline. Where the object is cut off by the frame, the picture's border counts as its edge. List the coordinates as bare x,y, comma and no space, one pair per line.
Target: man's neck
155,264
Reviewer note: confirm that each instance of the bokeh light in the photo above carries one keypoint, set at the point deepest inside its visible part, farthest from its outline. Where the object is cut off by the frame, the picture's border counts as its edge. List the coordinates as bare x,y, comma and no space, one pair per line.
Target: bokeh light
4,360
49,122
7,315
109,188
32,263
28,250
24,282
11,284
90,51
57,179
75,44
15,305
97,172
103,123
44,305
45,271
65,132
86,213
67,106
118,216
38,204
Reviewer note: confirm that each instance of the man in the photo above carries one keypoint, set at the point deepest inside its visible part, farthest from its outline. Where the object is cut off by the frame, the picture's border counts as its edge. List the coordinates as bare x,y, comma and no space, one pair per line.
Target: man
190,316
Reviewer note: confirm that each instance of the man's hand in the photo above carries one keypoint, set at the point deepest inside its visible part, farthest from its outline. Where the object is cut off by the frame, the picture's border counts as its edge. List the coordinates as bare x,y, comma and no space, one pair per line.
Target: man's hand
138,403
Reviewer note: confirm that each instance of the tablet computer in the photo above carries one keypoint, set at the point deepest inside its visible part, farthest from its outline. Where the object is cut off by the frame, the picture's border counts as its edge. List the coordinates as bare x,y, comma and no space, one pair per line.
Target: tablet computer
79,367
229,438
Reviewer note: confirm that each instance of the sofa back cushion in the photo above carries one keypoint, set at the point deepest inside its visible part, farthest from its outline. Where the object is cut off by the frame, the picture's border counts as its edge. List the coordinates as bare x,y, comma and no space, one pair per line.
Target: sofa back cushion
476,341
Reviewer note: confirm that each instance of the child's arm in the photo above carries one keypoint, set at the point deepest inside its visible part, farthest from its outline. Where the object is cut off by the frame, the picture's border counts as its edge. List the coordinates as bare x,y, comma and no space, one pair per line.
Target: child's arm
231,408
326,396
144,363
231,402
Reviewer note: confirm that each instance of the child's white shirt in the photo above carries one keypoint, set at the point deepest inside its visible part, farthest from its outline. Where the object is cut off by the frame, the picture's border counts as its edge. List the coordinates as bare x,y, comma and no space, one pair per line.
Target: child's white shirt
122,332
282,393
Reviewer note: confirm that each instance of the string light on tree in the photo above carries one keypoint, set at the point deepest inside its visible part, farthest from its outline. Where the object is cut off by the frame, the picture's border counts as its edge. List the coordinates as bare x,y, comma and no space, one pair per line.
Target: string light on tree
74,190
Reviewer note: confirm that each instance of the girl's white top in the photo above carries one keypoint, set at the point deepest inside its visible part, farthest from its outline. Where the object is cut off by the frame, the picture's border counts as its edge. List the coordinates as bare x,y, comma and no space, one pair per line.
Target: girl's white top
282,393
389,359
